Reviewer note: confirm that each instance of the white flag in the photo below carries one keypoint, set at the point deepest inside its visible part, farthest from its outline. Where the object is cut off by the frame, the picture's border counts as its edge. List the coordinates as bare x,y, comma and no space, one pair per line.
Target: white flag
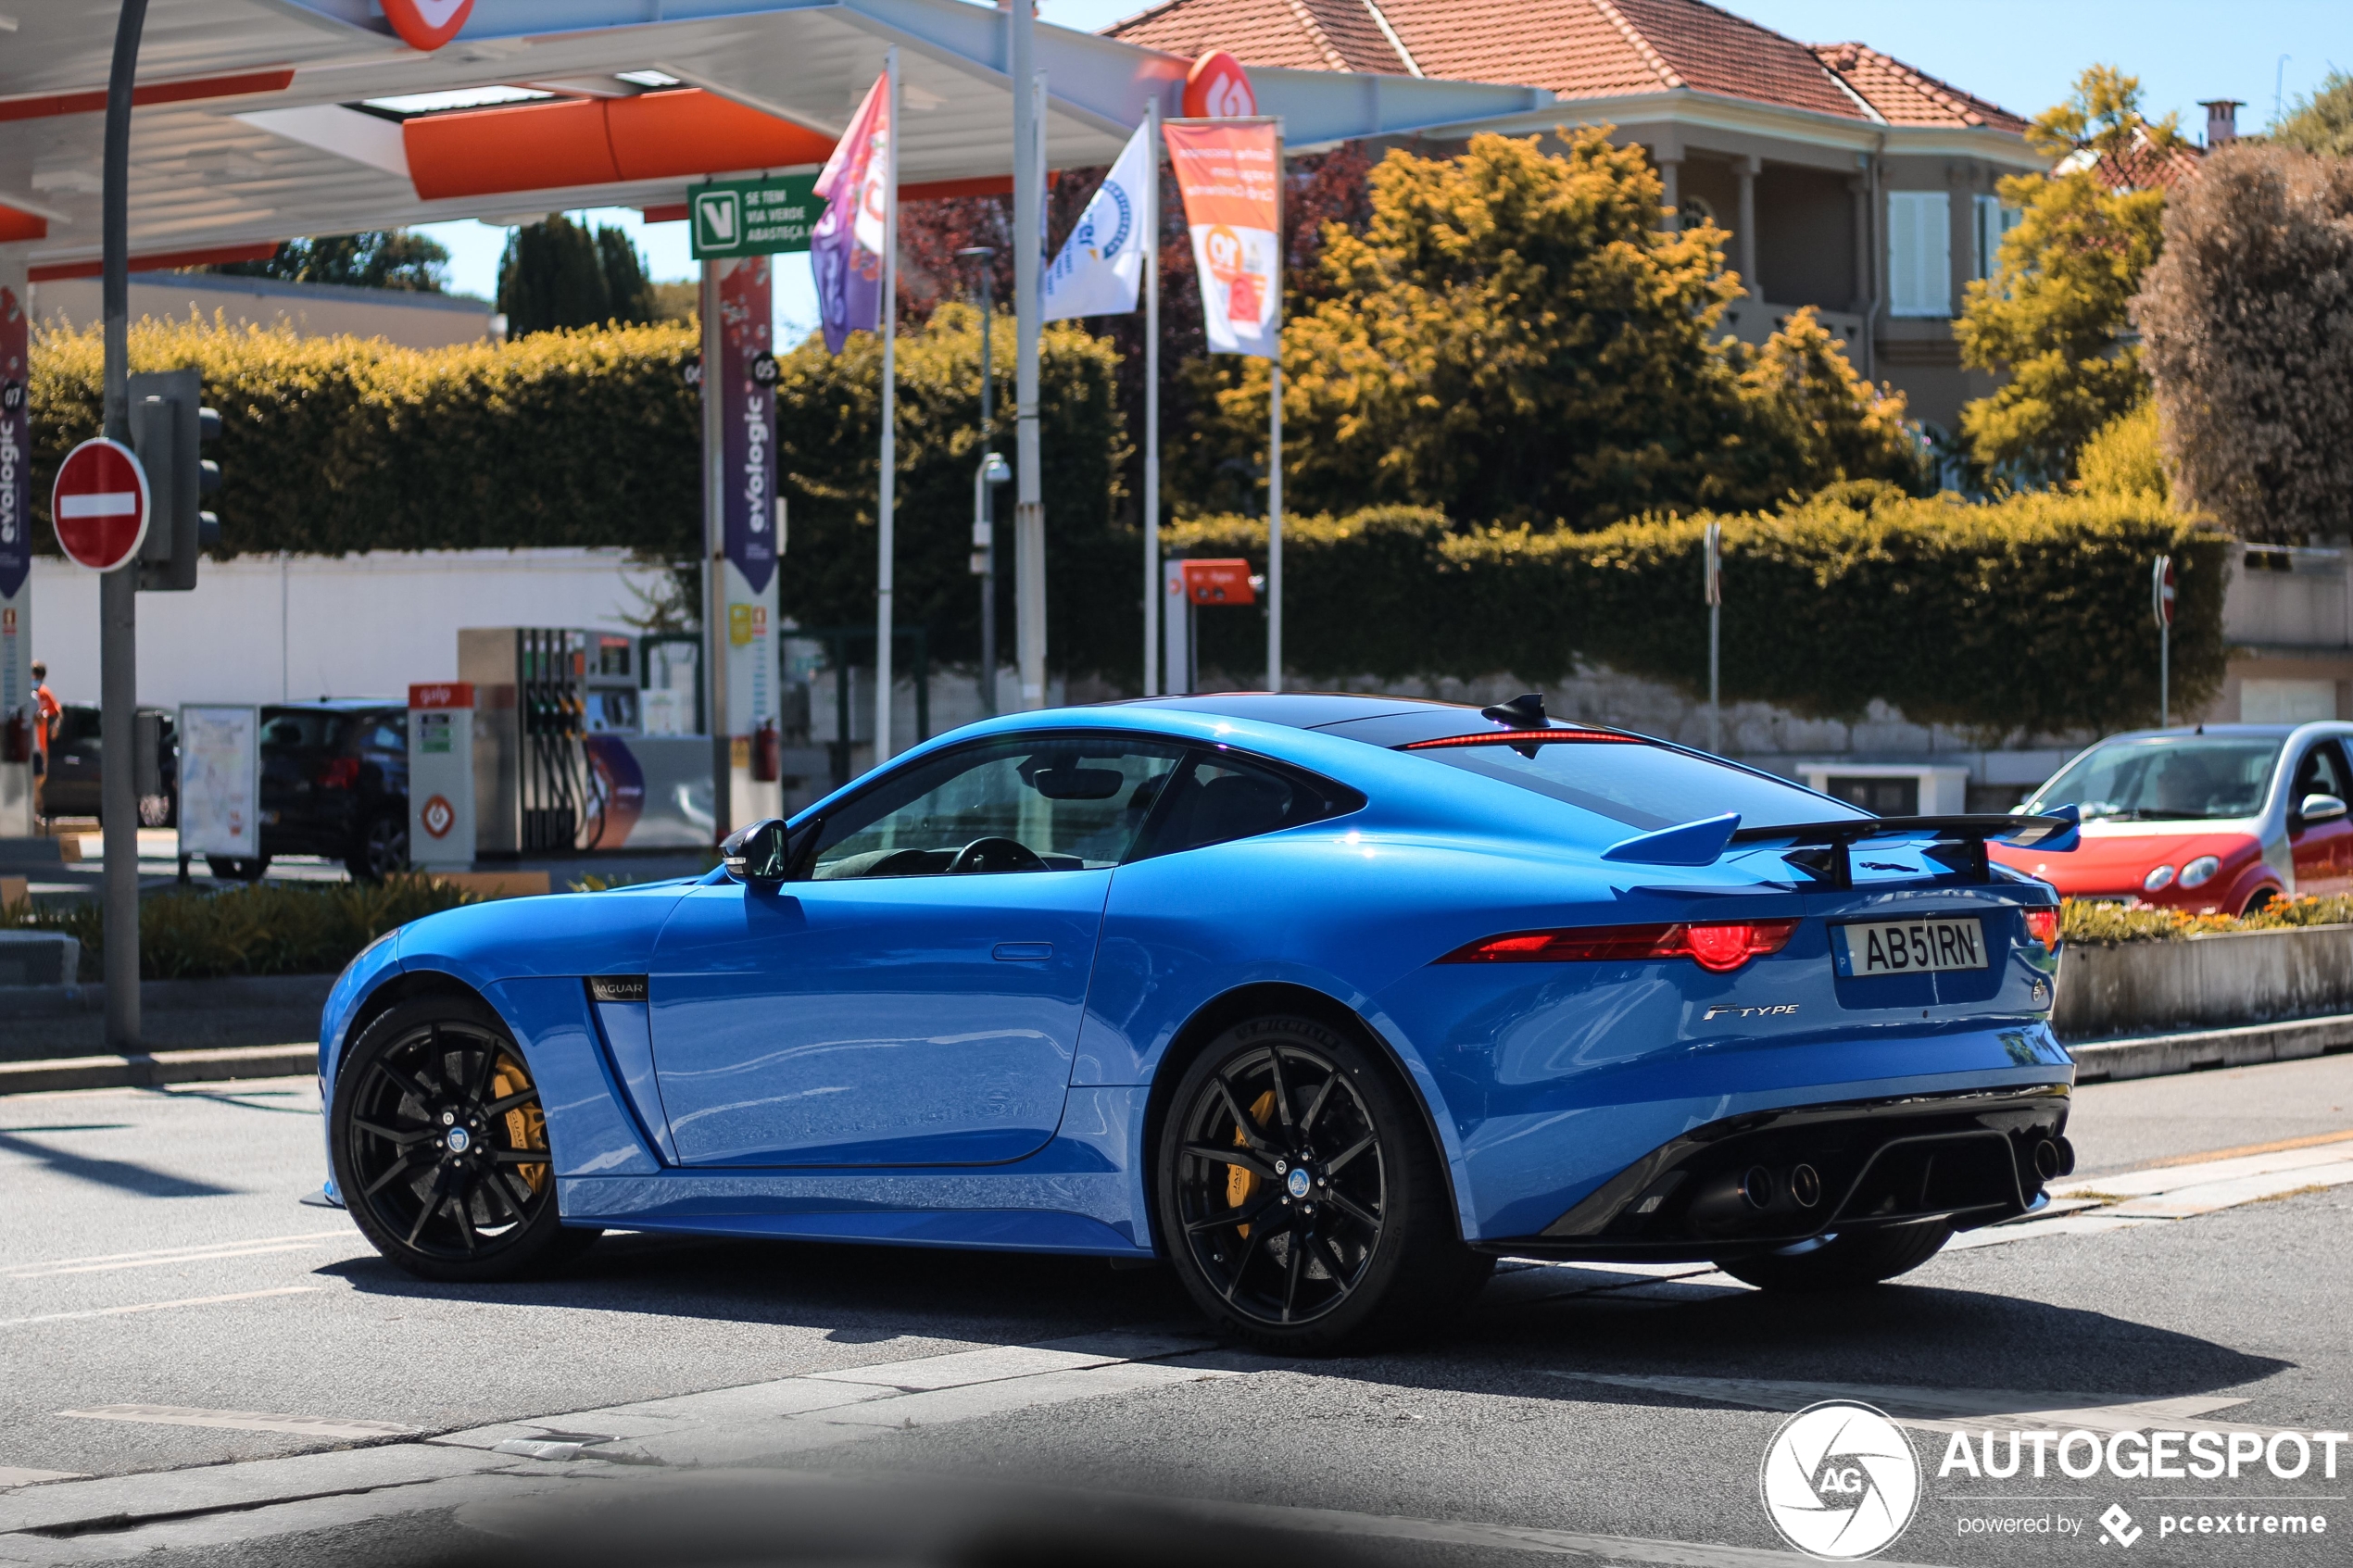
1102,262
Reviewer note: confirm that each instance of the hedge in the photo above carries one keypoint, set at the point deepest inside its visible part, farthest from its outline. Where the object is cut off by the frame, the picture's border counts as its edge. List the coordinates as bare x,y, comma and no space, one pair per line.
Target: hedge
270,928
2093,923
2028,616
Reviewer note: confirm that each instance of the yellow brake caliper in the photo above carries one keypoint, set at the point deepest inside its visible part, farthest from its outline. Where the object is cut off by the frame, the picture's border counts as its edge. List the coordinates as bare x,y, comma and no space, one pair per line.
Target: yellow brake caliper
526,1125
1240,1181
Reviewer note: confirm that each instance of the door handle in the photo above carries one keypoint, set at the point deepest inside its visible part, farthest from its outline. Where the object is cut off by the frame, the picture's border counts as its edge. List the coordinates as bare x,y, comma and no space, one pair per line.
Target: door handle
1025,952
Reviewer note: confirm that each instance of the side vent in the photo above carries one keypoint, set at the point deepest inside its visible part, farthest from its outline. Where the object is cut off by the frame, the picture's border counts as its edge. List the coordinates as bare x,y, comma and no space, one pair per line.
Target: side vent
616,987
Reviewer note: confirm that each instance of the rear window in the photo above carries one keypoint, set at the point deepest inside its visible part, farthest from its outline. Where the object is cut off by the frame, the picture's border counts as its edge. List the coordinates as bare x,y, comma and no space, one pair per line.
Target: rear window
301,729
1643,786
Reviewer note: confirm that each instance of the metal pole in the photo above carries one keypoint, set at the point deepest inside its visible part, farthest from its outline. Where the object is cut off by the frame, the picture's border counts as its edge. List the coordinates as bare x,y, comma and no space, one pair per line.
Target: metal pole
887,516
1712,548
1151,398
1275,447
1029,515
714,562
2164,674
983,494
119,589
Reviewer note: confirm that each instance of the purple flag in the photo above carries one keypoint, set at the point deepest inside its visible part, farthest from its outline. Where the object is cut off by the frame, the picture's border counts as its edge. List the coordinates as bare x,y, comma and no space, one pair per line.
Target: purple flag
846,267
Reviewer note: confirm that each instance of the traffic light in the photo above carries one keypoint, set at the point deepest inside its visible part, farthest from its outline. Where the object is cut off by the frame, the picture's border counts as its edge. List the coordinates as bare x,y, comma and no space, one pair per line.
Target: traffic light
169,429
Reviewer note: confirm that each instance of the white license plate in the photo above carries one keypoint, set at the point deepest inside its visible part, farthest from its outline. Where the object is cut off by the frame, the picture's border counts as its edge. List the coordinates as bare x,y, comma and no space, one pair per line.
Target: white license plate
1914,947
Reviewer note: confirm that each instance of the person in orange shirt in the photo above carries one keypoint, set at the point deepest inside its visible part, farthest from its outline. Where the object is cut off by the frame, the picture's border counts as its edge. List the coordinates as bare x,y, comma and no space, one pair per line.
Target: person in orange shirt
45,713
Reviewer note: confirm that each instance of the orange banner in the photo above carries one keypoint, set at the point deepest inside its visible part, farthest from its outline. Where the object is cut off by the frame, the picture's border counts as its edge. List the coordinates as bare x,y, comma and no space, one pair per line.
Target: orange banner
1226,173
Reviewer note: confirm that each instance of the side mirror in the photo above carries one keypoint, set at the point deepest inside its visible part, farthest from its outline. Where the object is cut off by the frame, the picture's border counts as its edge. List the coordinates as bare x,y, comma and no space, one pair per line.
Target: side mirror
2320,809
767,852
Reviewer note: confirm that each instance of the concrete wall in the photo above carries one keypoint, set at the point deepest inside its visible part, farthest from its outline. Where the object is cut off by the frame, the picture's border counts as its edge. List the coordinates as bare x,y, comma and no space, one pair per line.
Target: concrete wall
409,319
2203,982
266,628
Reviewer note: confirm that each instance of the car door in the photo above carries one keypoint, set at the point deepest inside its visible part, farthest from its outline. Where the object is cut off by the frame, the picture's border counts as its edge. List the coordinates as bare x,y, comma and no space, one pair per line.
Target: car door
2324,850
913,997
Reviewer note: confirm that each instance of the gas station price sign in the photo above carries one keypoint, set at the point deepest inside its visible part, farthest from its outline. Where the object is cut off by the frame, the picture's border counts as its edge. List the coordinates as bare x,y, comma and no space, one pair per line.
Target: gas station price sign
730,218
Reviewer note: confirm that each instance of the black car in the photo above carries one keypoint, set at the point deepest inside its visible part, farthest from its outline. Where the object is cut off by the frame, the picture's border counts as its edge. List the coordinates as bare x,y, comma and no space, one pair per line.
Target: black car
73,785
334,782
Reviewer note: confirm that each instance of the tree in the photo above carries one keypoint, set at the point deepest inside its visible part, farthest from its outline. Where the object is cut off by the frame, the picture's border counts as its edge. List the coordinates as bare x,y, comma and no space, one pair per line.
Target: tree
1516,336
2321,123
2052,318
555,273
2248,318
379,258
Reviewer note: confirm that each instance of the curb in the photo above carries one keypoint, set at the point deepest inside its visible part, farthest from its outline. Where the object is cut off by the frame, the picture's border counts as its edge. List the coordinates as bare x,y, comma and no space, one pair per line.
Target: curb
2152,1056
158,1067
228,991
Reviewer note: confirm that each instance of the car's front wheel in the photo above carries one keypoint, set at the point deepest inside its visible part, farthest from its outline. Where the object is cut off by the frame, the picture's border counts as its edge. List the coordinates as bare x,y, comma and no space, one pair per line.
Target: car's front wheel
440,1146
1299,1197
1843,1263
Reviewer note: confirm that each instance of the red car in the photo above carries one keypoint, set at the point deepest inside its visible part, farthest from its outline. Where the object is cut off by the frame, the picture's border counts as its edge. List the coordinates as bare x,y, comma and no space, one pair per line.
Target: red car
2223,818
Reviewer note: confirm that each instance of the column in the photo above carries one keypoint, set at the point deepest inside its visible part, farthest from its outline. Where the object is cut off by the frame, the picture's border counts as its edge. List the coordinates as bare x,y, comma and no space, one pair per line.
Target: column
15,545
1748,169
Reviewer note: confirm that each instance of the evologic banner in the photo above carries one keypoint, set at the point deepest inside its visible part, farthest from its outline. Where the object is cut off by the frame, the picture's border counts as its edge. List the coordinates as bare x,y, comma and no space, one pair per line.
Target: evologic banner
1230,175
746,487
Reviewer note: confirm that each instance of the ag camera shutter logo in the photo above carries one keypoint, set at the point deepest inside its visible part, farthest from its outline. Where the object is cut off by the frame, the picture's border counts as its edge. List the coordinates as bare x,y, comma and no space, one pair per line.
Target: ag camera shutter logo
1840,1481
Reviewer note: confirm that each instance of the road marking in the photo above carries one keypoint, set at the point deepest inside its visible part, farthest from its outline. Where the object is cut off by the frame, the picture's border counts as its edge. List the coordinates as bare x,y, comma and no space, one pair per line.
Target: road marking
159,1262
160,1305
2276,1147
1950,1409
245,1421
104,1260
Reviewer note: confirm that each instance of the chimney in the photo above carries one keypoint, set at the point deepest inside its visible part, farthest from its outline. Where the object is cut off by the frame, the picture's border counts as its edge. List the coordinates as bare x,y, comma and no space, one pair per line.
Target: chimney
2221,122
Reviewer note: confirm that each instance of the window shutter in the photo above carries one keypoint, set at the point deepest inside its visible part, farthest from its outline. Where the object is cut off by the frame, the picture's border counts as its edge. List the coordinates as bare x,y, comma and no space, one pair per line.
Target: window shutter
1919,253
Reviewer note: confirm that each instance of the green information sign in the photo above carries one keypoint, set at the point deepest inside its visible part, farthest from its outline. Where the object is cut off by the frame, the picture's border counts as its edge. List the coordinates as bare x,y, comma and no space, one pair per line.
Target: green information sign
752,217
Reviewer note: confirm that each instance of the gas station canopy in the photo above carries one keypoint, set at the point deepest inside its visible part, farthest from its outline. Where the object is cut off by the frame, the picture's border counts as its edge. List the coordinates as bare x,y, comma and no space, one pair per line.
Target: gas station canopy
259,120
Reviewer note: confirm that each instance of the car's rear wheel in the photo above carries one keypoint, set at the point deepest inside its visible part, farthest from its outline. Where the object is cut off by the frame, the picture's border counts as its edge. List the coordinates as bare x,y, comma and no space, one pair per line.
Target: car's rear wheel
440,1146
1843,1263
2258,901
1299,1197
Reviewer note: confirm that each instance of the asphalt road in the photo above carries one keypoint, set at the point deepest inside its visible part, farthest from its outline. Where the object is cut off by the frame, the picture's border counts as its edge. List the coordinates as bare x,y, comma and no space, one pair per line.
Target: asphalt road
151,1255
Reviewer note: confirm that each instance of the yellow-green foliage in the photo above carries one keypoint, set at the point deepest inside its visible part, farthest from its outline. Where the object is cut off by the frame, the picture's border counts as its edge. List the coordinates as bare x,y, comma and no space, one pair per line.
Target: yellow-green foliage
1518,334
2029,615
272,928
2093,923
2123,458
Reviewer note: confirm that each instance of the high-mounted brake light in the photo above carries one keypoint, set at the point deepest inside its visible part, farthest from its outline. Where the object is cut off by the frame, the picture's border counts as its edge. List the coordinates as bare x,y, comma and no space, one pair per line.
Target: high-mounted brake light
339,772
1519,737
1718,946
2042,925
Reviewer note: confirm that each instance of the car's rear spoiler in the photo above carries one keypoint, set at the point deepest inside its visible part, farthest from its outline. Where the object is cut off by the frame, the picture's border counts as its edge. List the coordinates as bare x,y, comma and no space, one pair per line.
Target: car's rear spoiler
1821,849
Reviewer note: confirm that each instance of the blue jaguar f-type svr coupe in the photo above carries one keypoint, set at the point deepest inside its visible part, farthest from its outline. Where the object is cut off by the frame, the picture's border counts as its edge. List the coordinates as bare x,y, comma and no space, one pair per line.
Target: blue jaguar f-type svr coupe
1327,1002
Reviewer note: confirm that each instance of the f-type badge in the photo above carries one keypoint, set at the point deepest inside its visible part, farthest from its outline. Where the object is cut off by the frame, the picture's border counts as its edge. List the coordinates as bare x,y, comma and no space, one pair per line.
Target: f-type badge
1784,1010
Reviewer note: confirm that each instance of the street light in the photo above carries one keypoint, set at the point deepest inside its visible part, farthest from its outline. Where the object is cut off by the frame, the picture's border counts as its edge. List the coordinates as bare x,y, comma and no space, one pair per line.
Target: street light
992,472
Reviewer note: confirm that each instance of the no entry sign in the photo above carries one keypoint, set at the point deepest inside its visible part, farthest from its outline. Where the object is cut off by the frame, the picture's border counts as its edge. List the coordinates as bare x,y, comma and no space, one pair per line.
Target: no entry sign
100,504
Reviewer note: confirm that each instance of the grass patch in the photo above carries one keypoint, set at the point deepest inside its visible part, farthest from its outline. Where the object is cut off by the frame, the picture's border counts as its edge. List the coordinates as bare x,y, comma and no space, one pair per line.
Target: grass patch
270,928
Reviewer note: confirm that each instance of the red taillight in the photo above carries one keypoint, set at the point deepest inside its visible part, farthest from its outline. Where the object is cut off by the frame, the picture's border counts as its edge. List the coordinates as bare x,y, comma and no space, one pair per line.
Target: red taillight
339,772
1522,737
1716,946
2042,925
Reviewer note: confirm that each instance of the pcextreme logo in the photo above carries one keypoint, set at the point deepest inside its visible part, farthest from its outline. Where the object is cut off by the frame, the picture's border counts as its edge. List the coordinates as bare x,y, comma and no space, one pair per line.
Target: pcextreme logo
1840,1481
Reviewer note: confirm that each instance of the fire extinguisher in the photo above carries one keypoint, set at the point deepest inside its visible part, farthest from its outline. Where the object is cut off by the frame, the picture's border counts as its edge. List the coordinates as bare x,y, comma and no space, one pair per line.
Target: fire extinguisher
767,753
15,738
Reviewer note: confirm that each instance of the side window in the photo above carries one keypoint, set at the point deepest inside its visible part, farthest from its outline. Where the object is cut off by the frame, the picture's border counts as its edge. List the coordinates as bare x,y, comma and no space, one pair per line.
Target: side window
1056,803
1218,797
2320,772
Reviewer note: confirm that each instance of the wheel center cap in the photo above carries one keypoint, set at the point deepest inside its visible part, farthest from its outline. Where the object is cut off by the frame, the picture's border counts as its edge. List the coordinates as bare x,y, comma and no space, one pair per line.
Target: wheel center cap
1298,1181
458,1140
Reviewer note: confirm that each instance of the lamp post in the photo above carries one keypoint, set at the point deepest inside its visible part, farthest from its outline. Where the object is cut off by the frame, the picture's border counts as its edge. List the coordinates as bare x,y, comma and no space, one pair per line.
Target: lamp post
992,472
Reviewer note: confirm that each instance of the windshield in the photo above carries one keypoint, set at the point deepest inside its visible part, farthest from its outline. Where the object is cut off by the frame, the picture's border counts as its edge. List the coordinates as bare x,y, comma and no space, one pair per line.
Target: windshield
2166,778
1645,786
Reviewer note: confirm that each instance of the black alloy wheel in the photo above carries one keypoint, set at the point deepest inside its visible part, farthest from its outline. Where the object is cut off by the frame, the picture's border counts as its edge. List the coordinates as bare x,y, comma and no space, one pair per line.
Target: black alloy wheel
1300,1197
382,850
441,1148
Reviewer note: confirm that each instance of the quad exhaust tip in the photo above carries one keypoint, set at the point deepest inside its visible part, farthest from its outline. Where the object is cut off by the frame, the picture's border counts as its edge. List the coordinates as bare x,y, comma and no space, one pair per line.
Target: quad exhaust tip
1756,1185
2054,1158
1806,1185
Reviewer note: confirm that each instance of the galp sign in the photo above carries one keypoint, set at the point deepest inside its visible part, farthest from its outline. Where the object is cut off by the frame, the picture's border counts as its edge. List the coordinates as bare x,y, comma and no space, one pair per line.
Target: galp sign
1217,88
427,24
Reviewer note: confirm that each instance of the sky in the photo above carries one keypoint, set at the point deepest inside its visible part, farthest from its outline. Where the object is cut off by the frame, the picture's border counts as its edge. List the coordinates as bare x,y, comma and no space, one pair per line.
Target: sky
2021,54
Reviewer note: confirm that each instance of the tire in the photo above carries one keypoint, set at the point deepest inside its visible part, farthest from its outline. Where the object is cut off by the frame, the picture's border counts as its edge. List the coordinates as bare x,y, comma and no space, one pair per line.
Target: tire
235,869
480,1211
1843,1263
1381,1262
2258,901
381,850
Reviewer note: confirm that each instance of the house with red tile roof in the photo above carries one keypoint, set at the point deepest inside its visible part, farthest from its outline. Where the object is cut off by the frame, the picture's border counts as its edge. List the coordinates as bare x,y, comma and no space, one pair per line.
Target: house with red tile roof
1847,180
